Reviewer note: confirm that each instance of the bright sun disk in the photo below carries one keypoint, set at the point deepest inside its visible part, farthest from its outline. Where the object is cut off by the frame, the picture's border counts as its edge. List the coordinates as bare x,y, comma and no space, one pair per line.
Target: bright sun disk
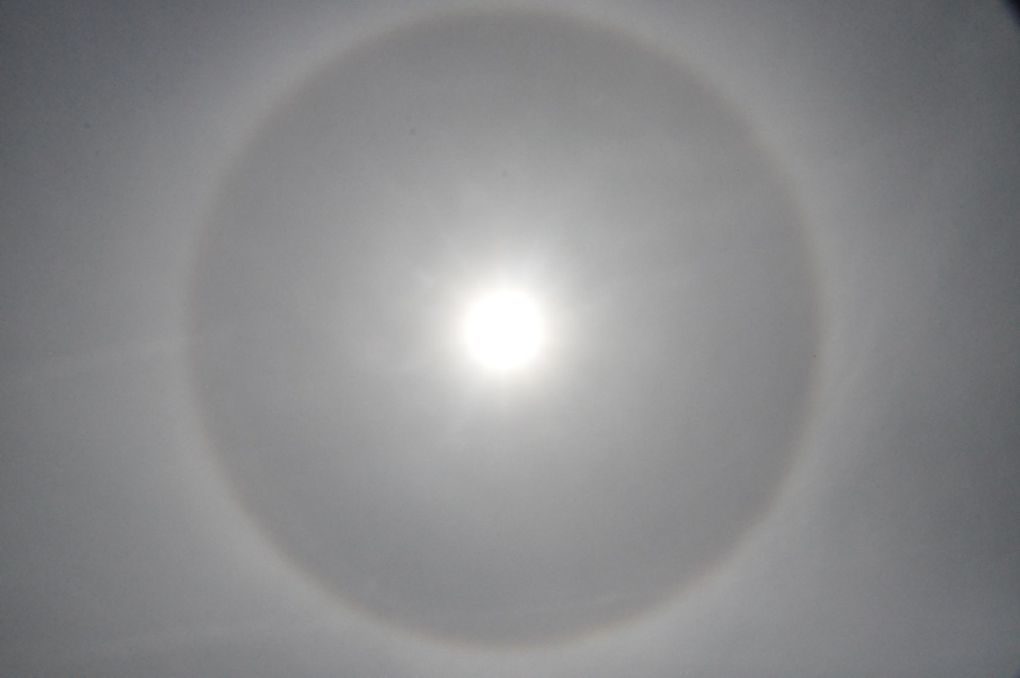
503,330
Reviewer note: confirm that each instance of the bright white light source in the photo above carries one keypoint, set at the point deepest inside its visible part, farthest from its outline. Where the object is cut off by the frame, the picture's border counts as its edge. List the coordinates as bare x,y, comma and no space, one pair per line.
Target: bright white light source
503,330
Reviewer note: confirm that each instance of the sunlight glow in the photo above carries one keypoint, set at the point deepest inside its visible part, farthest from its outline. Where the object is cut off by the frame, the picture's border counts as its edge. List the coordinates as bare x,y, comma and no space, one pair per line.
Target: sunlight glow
503,330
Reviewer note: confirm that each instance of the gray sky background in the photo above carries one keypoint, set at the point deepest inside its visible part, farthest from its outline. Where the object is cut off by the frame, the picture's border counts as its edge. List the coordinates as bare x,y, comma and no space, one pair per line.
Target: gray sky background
776,434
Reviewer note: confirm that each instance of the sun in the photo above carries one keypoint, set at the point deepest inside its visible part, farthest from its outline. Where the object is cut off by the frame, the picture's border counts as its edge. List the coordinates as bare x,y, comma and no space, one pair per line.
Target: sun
503,329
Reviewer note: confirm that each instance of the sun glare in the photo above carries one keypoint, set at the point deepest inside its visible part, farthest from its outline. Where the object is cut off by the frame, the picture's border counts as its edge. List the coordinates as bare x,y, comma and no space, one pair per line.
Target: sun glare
503,330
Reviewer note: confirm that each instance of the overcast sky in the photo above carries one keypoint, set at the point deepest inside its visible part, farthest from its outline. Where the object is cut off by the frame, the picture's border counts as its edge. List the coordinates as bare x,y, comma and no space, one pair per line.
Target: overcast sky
772,430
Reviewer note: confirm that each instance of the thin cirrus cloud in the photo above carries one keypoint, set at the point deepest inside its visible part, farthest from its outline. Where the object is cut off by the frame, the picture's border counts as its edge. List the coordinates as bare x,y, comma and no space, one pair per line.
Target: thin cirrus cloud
495,339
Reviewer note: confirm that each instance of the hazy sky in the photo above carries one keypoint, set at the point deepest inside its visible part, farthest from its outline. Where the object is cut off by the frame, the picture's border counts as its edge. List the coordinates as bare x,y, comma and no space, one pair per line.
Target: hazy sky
772,430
